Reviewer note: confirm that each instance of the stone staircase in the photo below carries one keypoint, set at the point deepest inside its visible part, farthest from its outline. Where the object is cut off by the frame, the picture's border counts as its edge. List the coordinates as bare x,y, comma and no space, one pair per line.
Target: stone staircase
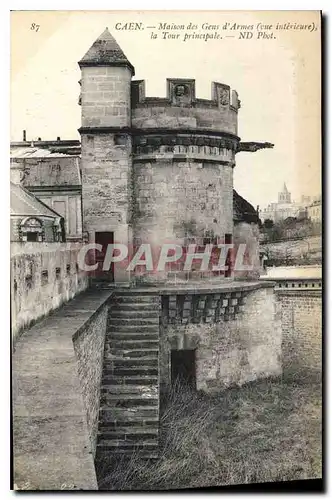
129,401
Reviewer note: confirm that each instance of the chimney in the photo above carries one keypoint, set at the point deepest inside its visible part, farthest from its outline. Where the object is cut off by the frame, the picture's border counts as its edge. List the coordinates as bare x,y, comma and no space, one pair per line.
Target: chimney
58,139
24,135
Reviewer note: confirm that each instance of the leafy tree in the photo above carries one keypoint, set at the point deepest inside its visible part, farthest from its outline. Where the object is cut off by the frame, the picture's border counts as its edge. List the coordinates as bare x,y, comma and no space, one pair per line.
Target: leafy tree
268,224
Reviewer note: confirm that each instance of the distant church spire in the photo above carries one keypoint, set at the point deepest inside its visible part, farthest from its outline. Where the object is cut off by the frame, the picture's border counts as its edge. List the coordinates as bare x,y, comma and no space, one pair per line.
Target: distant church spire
284,196
105,51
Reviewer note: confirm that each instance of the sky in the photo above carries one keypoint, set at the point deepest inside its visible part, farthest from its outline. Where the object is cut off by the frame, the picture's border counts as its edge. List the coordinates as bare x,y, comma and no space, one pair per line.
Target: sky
278,82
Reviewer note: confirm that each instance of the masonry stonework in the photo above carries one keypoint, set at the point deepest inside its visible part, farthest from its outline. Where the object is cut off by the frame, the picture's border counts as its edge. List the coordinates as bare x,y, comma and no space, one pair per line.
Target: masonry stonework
176,201
42,279
301,331
89,349
248,235
241,346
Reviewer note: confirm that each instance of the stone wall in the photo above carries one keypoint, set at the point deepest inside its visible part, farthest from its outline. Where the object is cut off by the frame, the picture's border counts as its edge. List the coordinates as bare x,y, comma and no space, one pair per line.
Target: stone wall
301,331
175,200
241,345
43,276
186,111
248,234
89,348
172,117
106,178
105,96
52,428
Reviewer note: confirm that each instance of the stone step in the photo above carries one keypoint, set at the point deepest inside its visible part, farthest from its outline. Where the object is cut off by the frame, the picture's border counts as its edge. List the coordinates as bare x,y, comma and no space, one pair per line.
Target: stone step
132,321
129,328
148,444
135,437
132,343
131,371
152,423
135,291
126,362
146,454
129,389
127,401
129,434
150,307
124,381
134,298
132,353
107,414
134,313
131,336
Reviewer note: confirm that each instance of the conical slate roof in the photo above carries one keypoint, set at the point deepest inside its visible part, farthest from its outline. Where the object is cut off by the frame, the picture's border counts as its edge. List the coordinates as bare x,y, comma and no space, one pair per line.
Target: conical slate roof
105,52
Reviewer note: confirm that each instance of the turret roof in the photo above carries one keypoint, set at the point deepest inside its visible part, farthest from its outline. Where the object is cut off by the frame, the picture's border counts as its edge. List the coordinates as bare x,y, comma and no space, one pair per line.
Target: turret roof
105,51
243,211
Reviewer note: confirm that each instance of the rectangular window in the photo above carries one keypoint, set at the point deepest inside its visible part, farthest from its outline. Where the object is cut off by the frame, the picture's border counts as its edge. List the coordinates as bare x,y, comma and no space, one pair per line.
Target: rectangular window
229,261
44,277
28,282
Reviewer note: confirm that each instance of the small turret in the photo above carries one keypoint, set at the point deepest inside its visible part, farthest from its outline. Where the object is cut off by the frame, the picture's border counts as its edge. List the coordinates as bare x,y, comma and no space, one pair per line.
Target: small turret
105,100
105,84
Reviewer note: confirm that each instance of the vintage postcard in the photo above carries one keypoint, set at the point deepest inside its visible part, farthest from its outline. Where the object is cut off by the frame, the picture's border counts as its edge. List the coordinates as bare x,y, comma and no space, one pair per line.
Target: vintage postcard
166,249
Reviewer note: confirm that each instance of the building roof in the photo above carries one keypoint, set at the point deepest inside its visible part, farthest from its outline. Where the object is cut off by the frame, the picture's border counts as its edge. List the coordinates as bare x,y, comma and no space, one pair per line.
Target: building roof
105,52
24,203
243,211
284,189
43,167
50,173
34,152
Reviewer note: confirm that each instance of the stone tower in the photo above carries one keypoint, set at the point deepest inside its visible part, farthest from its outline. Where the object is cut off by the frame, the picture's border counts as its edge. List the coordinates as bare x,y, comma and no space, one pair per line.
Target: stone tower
184,154
155,169
106,142
159,170
284,196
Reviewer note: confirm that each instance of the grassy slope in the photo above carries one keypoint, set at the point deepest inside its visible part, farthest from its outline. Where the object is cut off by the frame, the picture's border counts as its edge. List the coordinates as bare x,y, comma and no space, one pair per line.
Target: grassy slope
265,431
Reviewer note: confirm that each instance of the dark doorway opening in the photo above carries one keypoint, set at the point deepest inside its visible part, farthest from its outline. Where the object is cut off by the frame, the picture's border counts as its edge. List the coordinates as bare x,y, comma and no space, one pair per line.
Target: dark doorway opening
183,367
104,238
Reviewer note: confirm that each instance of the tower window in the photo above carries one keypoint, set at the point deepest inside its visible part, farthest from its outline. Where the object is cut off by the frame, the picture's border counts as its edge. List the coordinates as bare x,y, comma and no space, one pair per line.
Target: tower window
44,277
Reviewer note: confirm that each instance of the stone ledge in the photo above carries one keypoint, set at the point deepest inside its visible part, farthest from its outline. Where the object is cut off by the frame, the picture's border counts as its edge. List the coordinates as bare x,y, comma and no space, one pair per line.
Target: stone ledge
196,288
48,404
300,292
